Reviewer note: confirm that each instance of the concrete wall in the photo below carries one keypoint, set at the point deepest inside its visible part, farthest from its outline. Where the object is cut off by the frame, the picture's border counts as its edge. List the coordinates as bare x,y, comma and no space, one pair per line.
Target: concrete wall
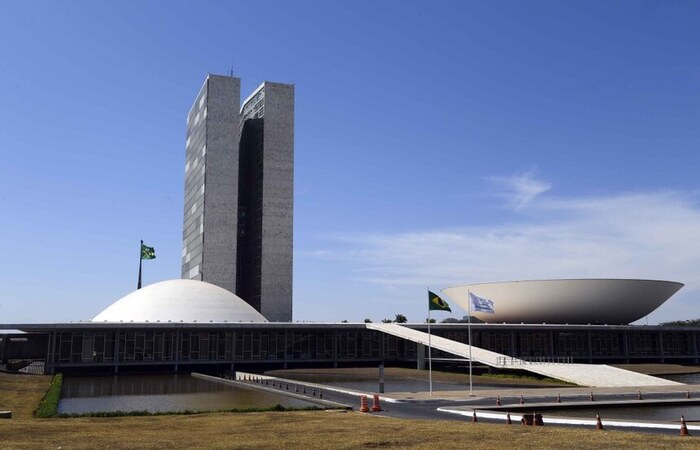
211,184
278,203
221,182
217,186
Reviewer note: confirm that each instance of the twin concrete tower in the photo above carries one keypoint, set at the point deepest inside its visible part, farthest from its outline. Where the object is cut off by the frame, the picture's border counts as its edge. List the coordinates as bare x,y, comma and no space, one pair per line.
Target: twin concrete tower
239,185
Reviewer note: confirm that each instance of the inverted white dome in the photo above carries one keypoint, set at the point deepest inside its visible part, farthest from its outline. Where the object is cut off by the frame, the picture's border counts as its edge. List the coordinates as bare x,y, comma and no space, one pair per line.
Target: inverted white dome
180,301
582,301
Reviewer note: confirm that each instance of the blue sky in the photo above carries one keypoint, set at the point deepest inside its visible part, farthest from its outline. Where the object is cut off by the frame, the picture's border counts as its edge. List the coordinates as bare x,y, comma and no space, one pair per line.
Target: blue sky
436,144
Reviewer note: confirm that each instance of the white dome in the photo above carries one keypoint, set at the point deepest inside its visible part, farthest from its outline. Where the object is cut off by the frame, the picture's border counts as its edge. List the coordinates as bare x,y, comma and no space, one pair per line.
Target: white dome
180,301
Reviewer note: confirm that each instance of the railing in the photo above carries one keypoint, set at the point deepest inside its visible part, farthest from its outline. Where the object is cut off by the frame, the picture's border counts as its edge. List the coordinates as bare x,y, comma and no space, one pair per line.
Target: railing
24,366
512,361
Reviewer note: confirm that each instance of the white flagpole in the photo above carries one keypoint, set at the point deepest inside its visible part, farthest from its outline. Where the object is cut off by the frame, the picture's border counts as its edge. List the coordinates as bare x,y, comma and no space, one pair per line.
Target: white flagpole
469,326
430,350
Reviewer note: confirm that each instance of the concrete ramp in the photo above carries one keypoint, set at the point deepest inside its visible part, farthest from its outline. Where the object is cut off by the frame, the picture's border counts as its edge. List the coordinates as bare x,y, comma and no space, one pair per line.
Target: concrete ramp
595,375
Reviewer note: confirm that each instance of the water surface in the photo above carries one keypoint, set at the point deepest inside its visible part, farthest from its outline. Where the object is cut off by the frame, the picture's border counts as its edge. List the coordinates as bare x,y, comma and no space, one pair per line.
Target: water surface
643,413
161,393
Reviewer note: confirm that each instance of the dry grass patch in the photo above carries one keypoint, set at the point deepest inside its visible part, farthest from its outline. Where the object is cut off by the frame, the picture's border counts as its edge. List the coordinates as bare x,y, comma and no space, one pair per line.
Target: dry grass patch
22,393
413,374
324,429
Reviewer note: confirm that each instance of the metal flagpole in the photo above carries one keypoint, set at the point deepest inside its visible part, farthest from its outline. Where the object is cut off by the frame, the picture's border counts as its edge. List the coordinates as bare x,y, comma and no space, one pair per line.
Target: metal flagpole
469,326
140,263
430,350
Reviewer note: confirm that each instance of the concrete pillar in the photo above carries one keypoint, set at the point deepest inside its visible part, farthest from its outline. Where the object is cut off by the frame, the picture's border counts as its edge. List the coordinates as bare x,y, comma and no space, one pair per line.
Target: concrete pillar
47,359
52,360
335,348
231,341
381,378
286,344
2,348
552,351
625,347
116,352
178,349
420,357
382,353
590,347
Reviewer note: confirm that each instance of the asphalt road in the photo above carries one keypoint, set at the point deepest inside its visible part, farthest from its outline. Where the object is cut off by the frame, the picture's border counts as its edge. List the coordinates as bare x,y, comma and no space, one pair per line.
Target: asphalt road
534,402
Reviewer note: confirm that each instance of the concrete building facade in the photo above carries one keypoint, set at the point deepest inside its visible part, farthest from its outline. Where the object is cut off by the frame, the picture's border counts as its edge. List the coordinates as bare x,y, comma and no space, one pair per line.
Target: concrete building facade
211,184
239,186
266,200
186,347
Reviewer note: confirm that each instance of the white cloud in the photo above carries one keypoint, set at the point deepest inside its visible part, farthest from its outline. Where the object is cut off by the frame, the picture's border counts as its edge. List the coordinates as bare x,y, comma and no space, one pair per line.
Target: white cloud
638,235
521,190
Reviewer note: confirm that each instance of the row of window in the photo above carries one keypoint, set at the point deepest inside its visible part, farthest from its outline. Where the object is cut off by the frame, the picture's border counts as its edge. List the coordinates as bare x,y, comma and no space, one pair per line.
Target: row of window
323,345
224,346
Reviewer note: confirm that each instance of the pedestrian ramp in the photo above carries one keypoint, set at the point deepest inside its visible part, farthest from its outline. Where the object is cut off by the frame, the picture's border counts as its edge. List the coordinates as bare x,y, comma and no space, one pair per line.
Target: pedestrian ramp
594,375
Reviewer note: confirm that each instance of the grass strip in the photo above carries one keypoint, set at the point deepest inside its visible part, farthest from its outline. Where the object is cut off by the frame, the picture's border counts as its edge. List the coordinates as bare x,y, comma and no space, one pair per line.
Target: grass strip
48,407
516,376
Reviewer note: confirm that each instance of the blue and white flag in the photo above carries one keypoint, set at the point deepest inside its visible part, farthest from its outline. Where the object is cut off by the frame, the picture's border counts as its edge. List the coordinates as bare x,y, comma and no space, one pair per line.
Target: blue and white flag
481,304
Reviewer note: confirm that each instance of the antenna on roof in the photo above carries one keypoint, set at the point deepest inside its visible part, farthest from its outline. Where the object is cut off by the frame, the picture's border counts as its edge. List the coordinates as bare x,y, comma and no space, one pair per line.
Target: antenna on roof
231,71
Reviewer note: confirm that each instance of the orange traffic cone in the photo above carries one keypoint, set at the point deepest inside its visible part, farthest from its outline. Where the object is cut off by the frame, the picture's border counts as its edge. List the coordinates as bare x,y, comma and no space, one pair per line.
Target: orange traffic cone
684,428
498,400
592,398
375,403
363,404
558,398
522,400
320,393
598,423
687,394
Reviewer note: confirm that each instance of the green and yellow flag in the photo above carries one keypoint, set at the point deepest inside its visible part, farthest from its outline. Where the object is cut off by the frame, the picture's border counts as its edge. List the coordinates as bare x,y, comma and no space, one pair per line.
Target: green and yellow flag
435,303
147,252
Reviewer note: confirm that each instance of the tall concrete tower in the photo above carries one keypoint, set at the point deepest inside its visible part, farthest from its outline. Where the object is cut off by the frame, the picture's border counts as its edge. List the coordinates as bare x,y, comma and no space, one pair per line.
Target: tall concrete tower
266,200
239,185
210,233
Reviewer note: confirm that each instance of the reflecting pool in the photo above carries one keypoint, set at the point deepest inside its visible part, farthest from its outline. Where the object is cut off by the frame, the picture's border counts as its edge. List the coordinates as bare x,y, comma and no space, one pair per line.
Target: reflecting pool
161,393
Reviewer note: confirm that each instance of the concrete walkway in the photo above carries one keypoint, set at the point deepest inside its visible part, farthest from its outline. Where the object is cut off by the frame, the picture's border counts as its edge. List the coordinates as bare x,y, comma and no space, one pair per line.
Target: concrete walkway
596,375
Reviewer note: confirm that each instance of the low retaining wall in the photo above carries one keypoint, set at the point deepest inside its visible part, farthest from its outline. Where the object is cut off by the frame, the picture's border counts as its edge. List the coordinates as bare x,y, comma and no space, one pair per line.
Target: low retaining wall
241,384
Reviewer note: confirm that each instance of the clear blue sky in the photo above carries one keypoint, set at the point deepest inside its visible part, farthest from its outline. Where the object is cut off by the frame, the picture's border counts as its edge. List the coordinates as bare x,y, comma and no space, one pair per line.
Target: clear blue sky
437,143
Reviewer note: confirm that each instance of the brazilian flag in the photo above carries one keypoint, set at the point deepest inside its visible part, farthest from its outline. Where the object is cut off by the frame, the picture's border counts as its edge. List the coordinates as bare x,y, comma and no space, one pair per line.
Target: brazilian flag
435,303
147,252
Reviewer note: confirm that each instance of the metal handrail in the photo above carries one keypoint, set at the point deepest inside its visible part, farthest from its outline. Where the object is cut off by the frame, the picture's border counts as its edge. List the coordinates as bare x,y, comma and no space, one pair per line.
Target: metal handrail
513,361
